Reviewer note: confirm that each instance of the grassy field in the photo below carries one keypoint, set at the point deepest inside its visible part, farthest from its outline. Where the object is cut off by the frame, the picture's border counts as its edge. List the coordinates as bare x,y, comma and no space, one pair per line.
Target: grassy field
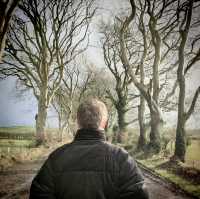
16,143
17,129
5,143
188,179
15,150
193,154
193,149
23,129
12,146
156,165
192,157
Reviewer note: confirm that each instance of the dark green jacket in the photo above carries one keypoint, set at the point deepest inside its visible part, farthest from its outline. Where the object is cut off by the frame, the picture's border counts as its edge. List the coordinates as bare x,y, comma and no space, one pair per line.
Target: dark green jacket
89,168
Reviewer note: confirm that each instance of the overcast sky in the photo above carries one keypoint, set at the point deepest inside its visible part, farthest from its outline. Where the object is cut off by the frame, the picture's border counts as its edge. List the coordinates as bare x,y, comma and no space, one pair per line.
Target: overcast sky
21,111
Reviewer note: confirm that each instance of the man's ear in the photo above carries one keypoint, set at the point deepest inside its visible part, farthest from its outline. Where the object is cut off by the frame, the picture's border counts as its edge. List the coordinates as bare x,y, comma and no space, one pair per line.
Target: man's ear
103,124
106,126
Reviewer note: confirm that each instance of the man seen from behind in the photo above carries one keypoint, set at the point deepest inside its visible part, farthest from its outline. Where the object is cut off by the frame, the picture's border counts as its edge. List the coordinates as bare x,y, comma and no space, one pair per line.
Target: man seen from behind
89,167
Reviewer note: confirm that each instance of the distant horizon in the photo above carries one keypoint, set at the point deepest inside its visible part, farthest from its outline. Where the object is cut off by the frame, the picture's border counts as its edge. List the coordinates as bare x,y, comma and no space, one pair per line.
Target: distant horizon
28,126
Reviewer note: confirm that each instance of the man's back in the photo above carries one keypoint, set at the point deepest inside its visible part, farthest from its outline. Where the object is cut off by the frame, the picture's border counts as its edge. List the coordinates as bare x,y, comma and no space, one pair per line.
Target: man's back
88,168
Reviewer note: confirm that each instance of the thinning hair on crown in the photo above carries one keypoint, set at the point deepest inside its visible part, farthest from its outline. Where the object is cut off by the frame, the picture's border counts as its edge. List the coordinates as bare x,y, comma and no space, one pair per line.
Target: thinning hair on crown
90,113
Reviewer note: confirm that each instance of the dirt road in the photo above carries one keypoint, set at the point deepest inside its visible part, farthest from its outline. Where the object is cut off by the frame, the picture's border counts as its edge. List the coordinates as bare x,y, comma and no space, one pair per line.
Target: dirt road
18,180
15,182
162,190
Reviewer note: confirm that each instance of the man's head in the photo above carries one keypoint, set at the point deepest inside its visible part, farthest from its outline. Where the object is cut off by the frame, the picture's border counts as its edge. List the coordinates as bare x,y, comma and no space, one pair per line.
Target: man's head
92,114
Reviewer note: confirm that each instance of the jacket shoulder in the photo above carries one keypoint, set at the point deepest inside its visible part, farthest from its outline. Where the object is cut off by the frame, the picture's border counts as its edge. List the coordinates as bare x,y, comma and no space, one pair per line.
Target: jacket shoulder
117,151
59,151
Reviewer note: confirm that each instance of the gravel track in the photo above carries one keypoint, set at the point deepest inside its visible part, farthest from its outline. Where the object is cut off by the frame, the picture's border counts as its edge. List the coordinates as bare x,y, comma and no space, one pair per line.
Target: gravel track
23,174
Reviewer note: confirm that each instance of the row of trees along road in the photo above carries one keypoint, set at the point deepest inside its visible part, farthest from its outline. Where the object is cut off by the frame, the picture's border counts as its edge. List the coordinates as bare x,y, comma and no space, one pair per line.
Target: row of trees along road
44,37
81,80
144,49
121,97
152,48
164,36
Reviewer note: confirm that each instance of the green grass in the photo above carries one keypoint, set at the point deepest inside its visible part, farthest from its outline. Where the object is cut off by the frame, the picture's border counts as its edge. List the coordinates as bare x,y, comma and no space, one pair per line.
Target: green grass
184,184
5,143
9,143
192,159
153,163
23,129
17,129
16,143
192,151
193,154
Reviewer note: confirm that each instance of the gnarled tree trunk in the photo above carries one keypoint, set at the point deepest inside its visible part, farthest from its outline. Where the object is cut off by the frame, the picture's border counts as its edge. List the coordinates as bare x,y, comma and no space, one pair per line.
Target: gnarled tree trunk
122,124
155,145
142,137
155,123
41,117
180,143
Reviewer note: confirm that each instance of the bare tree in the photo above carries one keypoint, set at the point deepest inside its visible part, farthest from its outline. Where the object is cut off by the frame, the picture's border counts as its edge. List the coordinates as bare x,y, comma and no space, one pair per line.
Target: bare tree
6,10
46,37
161,23
141,145
121,95
190,38
74,84
78,84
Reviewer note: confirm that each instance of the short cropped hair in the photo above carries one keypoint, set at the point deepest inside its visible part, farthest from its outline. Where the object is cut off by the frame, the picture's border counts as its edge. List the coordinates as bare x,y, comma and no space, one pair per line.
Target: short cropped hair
90,114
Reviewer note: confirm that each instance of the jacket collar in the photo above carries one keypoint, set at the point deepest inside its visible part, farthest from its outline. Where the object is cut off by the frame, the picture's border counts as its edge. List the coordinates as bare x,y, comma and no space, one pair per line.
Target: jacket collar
90,134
